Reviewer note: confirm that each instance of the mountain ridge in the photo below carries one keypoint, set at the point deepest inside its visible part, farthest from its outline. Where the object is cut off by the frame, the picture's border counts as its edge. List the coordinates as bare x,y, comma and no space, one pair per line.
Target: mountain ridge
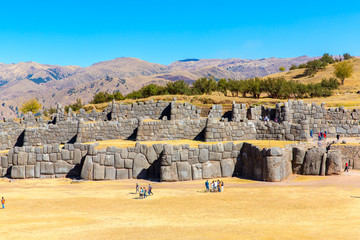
52,84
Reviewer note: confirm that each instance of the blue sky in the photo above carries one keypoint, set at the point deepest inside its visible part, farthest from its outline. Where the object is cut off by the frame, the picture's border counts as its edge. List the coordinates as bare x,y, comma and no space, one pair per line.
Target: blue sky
84,32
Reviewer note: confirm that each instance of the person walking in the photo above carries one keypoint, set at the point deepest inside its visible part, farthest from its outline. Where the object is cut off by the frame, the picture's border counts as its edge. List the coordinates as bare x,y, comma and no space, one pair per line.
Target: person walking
222,186
3,202
137,188
346,167
145,193
311,133
325,134
207,186
150,190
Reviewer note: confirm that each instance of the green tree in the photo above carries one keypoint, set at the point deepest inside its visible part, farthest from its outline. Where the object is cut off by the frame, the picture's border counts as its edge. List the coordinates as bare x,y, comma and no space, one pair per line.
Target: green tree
256,87
344,70
314,66
293,67
31,106
347,56
223,86
204,86
282,69
178,87
76,106
327,58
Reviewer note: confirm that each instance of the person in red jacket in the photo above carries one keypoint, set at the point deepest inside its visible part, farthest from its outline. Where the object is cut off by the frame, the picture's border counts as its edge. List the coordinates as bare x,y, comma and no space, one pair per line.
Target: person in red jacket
346,167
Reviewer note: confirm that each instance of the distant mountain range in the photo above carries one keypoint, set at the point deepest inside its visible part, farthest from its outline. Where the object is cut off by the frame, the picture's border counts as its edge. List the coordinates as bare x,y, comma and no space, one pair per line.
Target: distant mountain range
53,84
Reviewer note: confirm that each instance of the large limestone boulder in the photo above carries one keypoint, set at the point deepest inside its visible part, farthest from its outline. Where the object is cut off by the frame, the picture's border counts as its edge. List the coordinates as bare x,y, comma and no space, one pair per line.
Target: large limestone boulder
47,168
184,171
298,159
62,167
87,169
140,166
30,171
211,169
151,154
122,173
227,167
196,171
99,172
169,173
313,159
333,163
110,173
273,166
18,172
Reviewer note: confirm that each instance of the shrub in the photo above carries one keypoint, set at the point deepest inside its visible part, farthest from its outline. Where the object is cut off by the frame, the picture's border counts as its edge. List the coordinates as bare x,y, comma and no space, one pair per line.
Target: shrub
31,106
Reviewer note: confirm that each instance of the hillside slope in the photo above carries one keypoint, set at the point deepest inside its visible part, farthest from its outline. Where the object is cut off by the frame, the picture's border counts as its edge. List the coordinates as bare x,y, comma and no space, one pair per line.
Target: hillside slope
52,84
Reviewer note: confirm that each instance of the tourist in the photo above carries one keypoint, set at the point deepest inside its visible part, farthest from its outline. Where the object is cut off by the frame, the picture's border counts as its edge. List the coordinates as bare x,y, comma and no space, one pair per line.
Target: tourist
337,137
141,193
137,188
219,186
3,202
311,133
150,190
222,186
319,135
207,186
260,118
145,193
212,186
325,134
346,167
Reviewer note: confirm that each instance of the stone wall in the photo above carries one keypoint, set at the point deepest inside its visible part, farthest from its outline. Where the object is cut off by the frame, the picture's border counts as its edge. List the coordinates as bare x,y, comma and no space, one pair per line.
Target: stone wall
171,130
104,130
182,163
10,132
231,131
182,111
169,163
62,132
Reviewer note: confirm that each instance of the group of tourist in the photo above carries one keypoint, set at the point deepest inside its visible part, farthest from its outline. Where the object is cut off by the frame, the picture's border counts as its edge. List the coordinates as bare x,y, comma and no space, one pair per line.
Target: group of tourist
215,186
143,192
3,202
321,135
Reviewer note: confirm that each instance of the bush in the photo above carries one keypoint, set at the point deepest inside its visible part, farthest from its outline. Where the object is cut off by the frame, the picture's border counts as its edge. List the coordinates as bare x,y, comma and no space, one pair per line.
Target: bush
102,97
76,106
31,106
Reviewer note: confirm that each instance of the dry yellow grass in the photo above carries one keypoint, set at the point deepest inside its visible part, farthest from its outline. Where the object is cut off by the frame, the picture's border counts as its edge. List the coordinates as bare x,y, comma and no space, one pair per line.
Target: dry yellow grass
122,143
57,209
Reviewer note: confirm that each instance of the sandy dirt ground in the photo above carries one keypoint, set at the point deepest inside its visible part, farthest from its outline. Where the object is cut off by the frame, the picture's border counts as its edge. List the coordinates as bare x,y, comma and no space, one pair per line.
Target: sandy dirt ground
303,207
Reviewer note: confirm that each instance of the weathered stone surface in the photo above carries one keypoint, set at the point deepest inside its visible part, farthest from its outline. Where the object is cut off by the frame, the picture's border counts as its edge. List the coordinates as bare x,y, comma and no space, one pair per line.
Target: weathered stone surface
169,173
158,148
30,171
151,154
109,160
119,162
77,156
184,171
333,163
47,168
129,163
312,162
110,173
31,159
22,158
184,155
298,159
196,171
18,172
4,162
62,167
122,174
273,169
227,167
87,169
211,169
99,172
275,151
204,155
140,166
37,170
65,154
